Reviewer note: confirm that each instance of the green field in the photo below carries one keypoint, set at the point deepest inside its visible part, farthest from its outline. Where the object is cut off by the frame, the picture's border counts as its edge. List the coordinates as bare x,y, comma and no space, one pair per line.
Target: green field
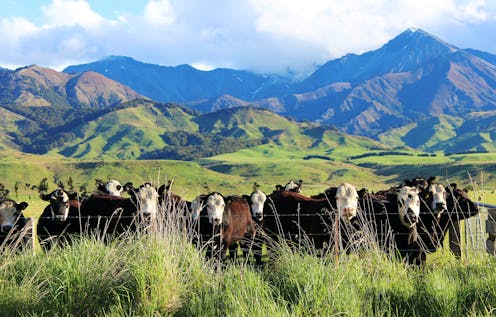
164,275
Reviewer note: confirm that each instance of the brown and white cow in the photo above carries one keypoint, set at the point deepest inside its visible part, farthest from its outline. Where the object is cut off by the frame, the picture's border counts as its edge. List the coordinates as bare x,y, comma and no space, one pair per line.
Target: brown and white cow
220,223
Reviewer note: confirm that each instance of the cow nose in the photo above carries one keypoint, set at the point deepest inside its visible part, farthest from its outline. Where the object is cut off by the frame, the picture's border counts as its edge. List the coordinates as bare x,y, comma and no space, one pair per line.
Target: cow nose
411,216
440,206
259,215
348,211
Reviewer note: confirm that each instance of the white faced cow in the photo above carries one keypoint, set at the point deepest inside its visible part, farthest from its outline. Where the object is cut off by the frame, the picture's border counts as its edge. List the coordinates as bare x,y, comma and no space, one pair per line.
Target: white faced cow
256,201
408,205
10,211
347,201
114,215
215,208
438,197
114,187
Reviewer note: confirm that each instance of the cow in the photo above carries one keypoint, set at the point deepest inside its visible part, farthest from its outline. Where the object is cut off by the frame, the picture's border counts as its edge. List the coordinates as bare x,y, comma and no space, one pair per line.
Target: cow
256,200
434,225
237,226
207,211
292,216
15,229
109,215
112,187
394,214
344,199
60,219
291,186
220,223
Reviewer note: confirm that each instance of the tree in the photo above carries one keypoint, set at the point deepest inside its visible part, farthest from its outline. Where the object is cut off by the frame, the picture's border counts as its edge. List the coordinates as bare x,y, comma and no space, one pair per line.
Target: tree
43,186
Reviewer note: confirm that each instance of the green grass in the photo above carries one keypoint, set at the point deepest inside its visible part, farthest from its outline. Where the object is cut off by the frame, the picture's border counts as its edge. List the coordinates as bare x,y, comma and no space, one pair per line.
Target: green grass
163,275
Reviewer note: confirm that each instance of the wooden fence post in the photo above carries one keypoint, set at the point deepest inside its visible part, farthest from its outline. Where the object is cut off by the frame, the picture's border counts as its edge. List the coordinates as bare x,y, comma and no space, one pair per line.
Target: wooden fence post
454,239
491,230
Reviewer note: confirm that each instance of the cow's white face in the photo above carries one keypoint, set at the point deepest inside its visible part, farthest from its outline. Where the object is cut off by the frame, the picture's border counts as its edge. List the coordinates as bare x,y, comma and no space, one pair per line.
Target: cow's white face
8,213
439,196
147,197
113,187
292,186
408,205
59,204
215,208
196,207
347,201
258,199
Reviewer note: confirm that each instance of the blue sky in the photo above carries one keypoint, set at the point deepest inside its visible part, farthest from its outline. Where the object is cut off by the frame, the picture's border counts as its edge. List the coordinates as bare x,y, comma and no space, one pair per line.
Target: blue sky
267,36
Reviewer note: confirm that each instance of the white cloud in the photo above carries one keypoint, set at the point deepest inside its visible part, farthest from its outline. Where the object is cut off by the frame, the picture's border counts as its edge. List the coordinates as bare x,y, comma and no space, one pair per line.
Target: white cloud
159,12
71,13
260,35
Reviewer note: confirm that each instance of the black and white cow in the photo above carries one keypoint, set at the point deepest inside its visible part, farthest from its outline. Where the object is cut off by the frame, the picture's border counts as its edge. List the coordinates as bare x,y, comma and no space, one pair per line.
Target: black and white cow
205,224
112,187
394,215
15,230
109,215
256,200
60,219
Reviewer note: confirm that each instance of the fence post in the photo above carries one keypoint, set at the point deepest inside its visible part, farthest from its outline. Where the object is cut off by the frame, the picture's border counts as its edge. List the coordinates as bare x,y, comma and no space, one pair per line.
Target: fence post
454,239
491,230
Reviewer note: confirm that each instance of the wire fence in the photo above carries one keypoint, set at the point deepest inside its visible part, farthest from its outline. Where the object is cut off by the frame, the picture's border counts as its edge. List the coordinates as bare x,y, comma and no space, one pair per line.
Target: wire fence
476,234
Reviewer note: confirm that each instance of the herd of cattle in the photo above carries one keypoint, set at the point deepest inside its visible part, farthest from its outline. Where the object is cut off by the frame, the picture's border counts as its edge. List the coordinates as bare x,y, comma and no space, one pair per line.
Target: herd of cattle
409,220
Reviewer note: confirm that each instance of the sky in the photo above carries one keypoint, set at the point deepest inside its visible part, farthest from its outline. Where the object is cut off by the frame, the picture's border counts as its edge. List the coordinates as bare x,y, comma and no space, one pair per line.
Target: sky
263,36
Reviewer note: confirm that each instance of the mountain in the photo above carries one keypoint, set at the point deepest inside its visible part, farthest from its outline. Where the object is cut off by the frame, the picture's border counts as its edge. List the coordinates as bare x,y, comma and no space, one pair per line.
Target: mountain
184,83
50,98
151,130
37,102
412,77
475,132
415,76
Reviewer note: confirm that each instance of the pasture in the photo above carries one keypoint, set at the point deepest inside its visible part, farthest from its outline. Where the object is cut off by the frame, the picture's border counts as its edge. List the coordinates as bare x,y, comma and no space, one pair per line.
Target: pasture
163,274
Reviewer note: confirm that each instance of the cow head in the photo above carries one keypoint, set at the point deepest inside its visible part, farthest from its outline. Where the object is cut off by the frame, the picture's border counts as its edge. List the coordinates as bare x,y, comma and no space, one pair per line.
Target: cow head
459,203
215,208
437,197
408,205
196,206
114,188
146,198
257,202
59,203
293,186
9,212
347,201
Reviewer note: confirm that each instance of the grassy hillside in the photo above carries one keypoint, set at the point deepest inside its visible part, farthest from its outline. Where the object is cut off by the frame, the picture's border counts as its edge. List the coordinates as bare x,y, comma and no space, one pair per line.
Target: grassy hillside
474,132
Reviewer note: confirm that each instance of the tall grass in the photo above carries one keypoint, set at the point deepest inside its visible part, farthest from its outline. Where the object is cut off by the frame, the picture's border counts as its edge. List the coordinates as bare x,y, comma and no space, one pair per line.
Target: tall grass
162,274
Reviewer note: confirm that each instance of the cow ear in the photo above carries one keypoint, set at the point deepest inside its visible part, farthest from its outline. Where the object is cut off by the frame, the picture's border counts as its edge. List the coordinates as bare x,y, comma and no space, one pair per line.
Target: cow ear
453,185
431,179
73,196
22,206
128,186
362,192
162,190
45,197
